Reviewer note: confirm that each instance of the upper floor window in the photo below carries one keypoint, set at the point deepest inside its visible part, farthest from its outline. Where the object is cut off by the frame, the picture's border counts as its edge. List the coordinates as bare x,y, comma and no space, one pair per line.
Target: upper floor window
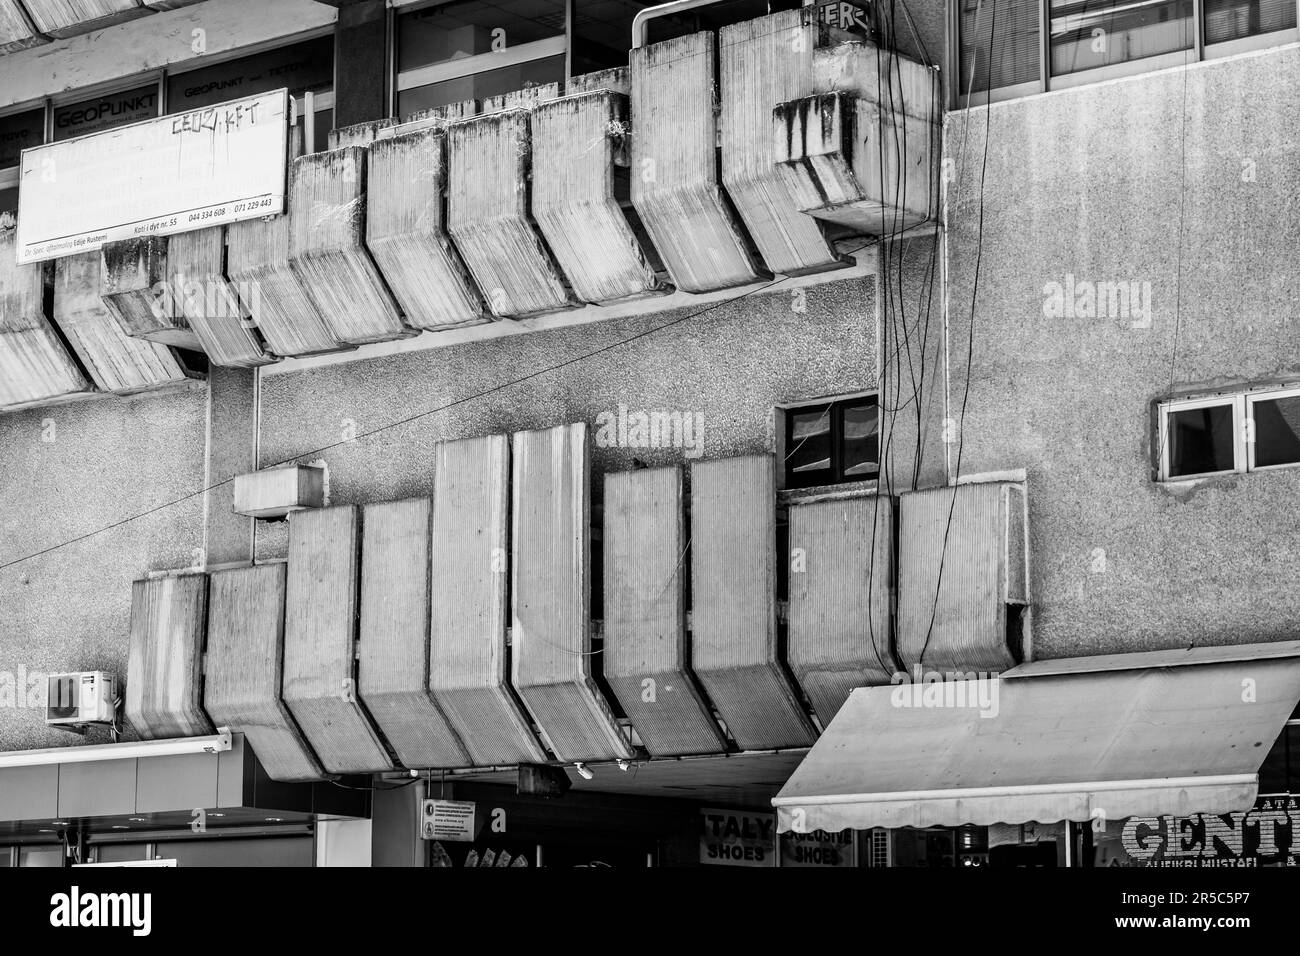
306,69
105,112
18,131
1227,434
1000,41
831,441
450,52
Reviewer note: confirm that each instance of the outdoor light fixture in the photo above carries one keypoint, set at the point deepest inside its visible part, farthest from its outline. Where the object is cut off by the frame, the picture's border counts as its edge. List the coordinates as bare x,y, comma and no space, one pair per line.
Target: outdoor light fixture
211,744
623,764
583,772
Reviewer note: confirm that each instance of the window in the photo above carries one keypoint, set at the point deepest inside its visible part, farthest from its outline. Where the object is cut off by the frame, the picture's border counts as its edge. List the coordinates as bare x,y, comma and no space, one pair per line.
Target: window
105,112
1227,20
831,442
17,132
1229,434
999,45
1000,41
476,49
303,68
1095,33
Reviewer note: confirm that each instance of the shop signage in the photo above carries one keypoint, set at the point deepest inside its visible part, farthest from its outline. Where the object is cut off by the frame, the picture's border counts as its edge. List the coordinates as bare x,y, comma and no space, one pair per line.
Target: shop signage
299,67
105,112
735,838
1265,835
818,848
452,820
163,176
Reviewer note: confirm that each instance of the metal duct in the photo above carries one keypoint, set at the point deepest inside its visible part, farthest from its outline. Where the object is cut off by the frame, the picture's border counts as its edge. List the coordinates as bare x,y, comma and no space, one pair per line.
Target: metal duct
468,653
841,584
646,654
488,215
116,362
962,561
577,143
550,576
734,642
765,62
327,226
320,640
406,230
394,643
674,166
34,365
164,672
245,666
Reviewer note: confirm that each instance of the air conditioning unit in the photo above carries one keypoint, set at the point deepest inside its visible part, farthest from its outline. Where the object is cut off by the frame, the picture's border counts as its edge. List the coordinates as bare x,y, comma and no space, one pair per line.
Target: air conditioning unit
89,697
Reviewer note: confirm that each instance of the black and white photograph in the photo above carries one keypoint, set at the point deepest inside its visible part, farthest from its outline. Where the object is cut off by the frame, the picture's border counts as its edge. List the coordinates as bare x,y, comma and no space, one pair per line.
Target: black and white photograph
709,435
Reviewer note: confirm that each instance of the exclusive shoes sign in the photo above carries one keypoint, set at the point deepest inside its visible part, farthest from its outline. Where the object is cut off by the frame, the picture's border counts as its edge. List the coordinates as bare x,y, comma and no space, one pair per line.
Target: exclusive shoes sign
178,173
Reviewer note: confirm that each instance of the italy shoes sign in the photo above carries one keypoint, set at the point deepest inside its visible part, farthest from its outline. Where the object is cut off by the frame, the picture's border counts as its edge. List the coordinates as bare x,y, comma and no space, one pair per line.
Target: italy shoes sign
172,174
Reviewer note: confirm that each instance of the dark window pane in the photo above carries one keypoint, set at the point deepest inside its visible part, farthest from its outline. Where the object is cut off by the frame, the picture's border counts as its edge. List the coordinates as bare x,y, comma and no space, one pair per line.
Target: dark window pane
9,200
1200,440
712,17
1092,33
861,440
1277,431
300,67
602,33
116,109
19,132
1000,42
1274,773
324,123
1233,19
808,446
479,86
457,30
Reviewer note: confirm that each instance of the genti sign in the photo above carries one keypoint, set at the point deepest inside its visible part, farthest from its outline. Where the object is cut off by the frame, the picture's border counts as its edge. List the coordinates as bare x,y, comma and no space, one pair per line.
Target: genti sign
1263,836
162,176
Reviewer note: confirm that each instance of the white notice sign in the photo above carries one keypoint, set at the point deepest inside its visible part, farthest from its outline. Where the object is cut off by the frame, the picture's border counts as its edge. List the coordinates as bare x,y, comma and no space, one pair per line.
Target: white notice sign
448,820
162,176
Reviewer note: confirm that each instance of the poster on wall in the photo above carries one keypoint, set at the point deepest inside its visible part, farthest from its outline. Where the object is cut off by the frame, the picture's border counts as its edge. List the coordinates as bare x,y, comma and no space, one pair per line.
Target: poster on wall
819,849
162,176
737,838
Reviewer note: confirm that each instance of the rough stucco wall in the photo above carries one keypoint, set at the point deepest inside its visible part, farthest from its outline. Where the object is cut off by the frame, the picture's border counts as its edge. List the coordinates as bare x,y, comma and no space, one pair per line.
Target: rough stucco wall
110,459
730,365
912,363
1087,182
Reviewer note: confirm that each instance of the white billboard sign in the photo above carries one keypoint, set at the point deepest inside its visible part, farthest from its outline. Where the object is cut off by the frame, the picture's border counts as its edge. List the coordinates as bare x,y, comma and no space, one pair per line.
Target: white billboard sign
162,176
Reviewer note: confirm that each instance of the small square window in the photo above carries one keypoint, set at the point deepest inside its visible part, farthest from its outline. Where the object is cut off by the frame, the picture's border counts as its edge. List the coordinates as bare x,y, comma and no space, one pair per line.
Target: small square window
1201,440
1277,431
832,442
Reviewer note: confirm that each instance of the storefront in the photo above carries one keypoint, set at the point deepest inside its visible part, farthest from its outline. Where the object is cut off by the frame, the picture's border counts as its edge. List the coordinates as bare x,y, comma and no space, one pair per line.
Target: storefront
1154,759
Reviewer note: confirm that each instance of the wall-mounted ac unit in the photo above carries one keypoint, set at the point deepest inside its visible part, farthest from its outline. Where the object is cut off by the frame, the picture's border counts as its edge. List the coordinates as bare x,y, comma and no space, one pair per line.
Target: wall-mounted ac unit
88,697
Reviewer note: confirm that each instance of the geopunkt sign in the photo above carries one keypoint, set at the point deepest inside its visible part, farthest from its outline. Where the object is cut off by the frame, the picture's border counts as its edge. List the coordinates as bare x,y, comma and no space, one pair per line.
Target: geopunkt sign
162,176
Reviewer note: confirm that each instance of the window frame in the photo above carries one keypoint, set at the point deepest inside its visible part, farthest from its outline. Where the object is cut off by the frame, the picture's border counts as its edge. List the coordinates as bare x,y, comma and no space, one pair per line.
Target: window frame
1199,51
1235,402
1243,436
835,405
1265,396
